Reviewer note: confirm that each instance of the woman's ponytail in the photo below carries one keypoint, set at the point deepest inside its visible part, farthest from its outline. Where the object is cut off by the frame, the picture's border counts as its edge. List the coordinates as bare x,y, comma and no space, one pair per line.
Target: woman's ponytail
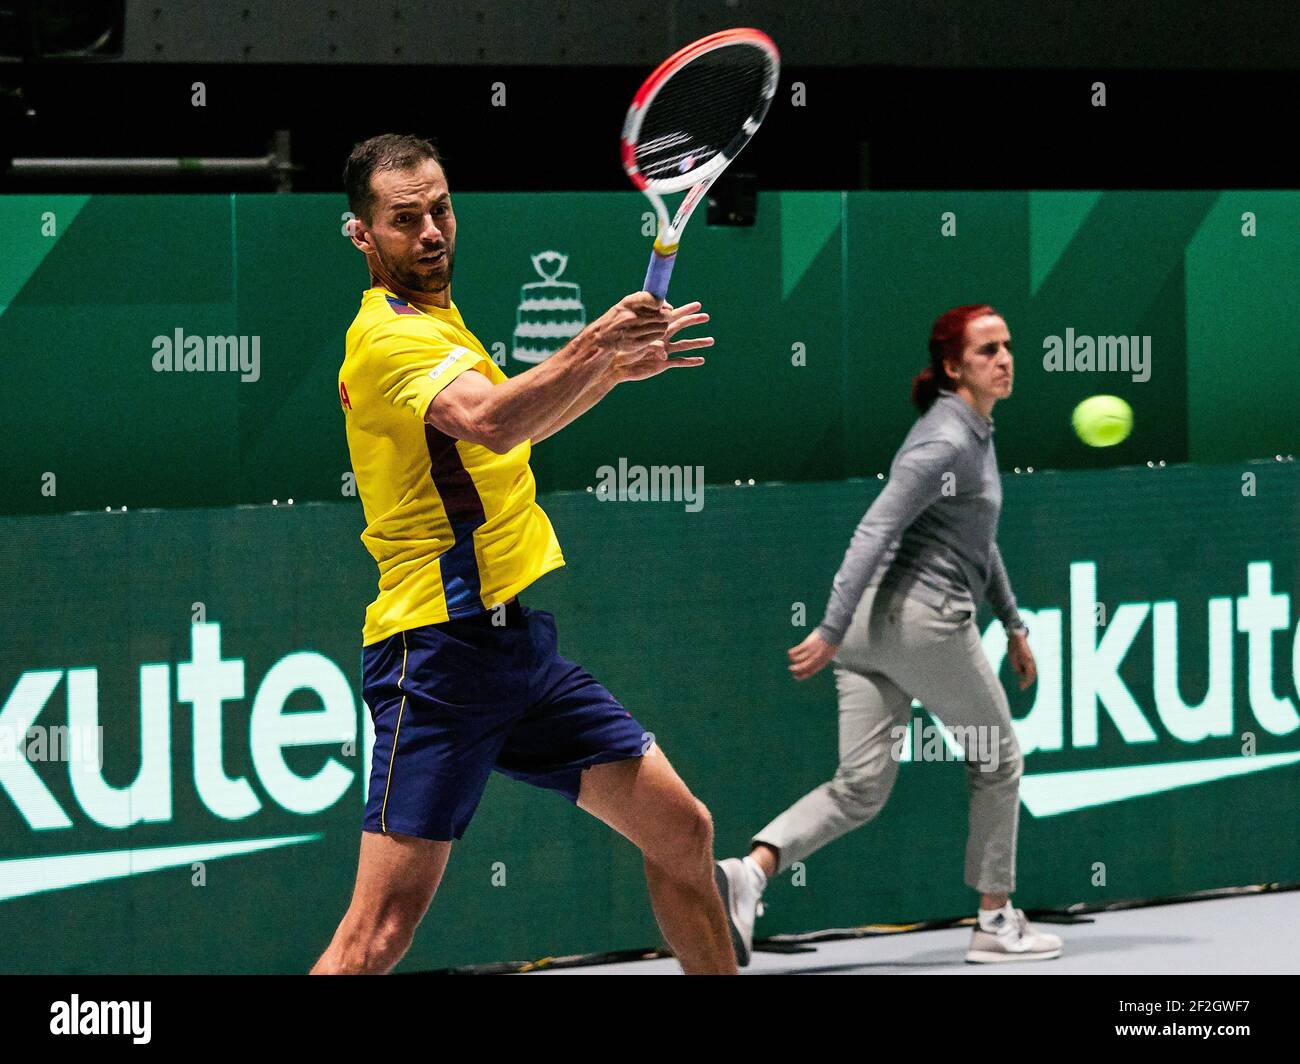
925,389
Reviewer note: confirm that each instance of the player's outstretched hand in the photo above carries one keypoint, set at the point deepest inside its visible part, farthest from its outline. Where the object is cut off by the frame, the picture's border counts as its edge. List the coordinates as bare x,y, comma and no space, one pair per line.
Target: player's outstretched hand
811,656
628,326
661,354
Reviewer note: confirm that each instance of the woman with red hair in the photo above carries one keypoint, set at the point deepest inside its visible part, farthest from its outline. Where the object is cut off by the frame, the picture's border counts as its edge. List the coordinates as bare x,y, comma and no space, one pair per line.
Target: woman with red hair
900,624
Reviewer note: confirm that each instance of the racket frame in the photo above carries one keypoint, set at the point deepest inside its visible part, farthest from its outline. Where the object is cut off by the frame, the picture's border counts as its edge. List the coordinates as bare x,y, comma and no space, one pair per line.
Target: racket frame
697,182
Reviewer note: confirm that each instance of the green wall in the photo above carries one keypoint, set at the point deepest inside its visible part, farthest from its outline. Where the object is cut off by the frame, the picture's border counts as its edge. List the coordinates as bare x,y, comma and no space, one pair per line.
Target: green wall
856,278
686,616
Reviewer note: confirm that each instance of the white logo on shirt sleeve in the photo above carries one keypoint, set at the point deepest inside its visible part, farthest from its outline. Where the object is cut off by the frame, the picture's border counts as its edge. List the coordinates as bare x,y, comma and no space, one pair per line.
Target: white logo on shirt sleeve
456,352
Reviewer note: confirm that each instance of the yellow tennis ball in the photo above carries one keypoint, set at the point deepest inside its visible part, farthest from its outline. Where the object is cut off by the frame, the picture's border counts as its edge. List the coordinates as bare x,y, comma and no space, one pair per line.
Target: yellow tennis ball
1103,420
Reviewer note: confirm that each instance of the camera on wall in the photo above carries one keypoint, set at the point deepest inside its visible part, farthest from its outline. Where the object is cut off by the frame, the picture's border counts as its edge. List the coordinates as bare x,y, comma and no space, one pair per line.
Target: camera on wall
733,200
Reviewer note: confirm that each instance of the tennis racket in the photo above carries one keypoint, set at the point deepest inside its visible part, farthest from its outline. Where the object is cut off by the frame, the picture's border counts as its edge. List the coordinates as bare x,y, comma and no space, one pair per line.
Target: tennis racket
688,121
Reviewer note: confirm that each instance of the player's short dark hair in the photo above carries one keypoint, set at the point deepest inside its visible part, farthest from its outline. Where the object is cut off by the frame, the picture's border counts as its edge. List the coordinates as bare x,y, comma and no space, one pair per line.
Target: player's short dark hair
388,151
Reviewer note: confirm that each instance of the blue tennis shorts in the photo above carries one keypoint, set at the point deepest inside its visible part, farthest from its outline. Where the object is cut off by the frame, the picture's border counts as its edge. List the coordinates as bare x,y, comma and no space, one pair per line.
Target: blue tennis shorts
453,701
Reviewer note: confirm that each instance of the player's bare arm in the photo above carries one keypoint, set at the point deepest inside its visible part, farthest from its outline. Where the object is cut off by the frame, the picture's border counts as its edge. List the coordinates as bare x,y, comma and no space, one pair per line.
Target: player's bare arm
632,340
657,359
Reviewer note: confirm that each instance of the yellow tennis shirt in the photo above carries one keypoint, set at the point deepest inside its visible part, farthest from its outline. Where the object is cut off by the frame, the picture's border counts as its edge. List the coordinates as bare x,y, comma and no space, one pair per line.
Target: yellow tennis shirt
454,527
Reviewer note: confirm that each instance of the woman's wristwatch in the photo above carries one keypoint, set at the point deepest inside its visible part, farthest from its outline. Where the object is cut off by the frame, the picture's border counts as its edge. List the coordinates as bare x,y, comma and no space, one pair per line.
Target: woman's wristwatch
1018,629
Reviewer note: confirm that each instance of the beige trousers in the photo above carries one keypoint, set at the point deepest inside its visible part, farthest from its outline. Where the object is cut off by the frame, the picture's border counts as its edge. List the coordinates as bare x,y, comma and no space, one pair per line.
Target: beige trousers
898,648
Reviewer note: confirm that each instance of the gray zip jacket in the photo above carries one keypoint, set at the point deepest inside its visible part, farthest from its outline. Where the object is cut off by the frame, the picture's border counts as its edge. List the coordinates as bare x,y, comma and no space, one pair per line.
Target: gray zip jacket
933,531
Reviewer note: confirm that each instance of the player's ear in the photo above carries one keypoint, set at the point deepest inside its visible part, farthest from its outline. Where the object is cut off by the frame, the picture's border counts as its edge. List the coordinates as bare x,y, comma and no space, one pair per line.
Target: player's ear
360,235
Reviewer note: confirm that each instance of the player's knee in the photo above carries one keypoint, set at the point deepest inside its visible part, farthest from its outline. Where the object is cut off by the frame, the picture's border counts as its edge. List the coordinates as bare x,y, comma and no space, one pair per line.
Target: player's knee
373,939
397,916
394,933
697,831
703,822
690,844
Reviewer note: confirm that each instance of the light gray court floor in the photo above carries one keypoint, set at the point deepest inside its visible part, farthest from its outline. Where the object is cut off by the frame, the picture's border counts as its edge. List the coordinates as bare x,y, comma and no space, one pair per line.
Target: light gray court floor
1242,935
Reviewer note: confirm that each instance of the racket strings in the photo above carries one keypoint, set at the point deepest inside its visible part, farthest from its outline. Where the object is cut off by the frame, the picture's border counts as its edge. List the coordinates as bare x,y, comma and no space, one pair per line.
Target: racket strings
703,109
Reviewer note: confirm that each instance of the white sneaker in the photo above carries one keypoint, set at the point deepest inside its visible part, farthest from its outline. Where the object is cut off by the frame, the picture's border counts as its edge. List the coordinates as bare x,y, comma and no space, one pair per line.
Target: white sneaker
1011,939
741,894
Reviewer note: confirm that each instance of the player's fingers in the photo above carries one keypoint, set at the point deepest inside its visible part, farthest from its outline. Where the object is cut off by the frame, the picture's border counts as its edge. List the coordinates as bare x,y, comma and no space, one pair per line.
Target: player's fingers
636,344
655,351
643,304
646,327
692,361
692,344
683,310
688,322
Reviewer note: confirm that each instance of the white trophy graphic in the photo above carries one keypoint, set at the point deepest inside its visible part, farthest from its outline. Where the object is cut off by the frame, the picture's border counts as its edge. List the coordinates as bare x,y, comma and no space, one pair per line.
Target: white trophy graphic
550,311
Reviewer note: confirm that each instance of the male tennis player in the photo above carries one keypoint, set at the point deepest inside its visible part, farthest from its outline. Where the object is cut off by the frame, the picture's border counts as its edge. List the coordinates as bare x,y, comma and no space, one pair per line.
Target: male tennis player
459,676
900,624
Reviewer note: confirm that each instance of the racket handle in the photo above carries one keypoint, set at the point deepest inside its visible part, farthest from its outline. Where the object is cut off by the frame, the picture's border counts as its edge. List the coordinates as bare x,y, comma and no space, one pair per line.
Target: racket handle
660,270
